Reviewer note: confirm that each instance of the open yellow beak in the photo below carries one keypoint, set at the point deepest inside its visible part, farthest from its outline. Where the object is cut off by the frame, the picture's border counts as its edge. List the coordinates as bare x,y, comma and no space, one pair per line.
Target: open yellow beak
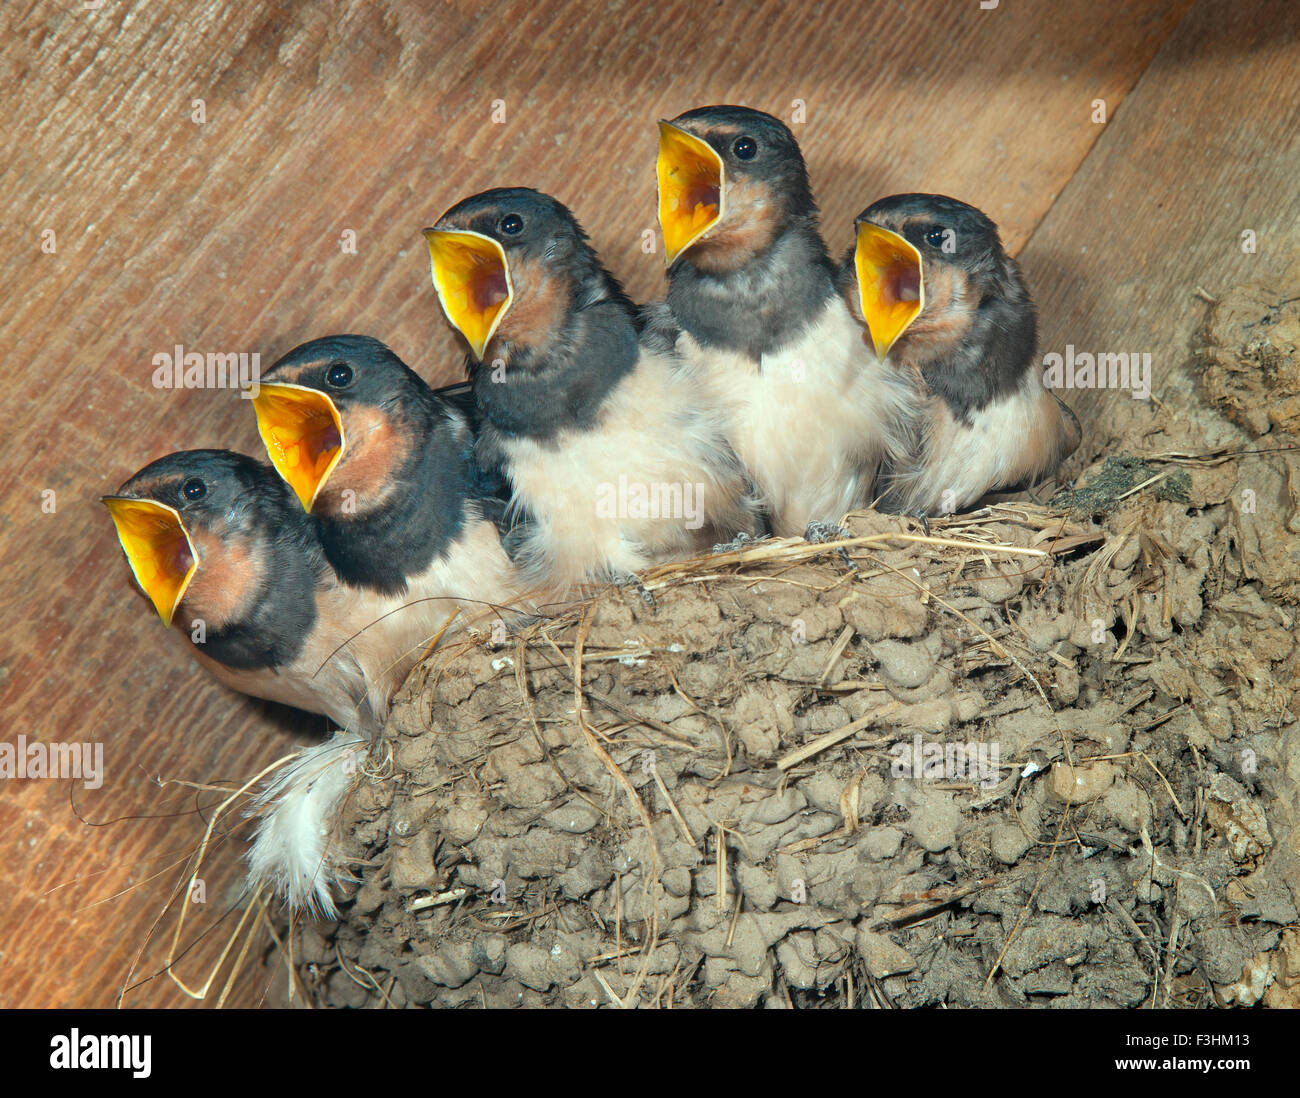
158,548
472,278
691,188
303,434
890,283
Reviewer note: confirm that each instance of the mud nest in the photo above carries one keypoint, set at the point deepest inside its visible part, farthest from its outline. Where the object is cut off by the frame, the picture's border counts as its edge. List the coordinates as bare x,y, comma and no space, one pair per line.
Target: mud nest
751,796
1039,757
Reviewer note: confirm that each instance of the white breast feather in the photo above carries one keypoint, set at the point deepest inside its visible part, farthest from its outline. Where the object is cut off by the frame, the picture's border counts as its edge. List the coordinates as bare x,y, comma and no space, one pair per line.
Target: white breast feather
656,428
814,421
969,461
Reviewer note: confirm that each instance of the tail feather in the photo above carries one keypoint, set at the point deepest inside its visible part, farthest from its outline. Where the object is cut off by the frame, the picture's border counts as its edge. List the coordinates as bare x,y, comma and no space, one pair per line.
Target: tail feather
299,809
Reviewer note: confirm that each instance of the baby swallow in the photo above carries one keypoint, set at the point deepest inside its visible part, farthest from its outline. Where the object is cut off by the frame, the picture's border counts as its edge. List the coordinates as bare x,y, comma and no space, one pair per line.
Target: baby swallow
613,456
384,465
230,561
942,299
805,402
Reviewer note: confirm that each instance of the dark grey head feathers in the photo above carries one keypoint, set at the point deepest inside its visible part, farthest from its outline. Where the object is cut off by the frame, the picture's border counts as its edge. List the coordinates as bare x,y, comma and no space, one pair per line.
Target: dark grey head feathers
758,278
977,334
570,335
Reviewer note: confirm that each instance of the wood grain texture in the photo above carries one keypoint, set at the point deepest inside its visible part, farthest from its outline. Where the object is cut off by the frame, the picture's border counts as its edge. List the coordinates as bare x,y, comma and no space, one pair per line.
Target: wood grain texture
1206,147
224,236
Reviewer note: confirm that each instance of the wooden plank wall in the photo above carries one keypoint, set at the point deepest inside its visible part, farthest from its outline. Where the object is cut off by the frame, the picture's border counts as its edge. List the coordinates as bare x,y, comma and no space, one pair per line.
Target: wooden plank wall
1205,148
224,235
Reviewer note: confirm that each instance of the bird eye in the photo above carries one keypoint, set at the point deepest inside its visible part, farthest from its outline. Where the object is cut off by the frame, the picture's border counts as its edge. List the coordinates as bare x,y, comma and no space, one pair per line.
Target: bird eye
194,489
511,225
745,148
935,237
339,376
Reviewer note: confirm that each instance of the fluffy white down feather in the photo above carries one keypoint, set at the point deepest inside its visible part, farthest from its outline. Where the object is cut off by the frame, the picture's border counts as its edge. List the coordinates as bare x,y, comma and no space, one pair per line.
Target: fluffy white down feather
299,810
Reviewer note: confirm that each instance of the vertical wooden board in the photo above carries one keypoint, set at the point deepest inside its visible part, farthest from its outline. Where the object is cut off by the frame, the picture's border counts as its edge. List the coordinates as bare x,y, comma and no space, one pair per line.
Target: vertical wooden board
224,235
1206,147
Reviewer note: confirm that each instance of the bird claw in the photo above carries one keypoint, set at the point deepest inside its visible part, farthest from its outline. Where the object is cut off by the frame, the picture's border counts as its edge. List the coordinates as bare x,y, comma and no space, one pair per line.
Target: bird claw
820,532
739,542
925,522
627,579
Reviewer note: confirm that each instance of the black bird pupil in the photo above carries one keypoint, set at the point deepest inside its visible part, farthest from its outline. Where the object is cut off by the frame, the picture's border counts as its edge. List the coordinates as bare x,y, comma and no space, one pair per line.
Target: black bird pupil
934,238
512,224
745,148
339,375
194,489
